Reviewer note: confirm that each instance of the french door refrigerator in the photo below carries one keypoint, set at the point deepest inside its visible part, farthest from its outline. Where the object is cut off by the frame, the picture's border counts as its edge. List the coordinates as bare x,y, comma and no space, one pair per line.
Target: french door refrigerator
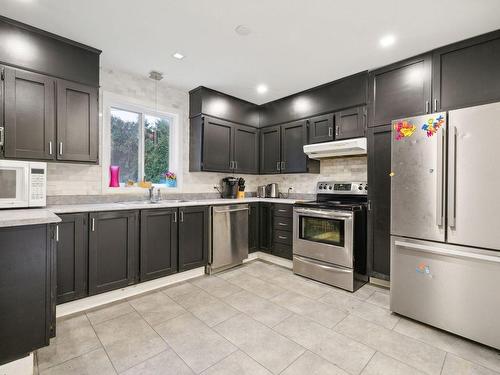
445,221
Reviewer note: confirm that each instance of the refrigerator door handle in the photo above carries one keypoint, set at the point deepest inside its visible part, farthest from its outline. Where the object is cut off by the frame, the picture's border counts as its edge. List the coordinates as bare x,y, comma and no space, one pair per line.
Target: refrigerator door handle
440,182
452,205
448,252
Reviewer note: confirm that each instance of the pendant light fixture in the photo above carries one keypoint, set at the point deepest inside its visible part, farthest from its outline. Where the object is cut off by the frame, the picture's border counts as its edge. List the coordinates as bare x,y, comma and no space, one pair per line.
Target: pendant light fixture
157,77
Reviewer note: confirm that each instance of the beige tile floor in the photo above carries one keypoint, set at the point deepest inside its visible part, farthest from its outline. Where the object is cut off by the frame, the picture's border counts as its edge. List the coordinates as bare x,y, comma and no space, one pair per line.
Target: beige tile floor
258,319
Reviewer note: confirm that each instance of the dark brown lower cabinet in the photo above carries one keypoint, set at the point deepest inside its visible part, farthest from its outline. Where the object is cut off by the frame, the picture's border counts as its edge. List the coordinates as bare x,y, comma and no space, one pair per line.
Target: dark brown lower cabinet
253,227
265,226
379,197
159,243
113,250
27,290
72,257
193,237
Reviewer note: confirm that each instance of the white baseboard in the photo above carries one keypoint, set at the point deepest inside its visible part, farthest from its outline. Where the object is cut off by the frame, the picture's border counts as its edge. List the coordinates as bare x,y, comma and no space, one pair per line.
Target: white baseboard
23,366
91,302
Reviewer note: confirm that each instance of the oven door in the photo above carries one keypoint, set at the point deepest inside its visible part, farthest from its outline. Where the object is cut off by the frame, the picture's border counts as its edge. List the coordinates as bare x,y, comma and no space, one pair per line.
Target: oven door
324,235
14,187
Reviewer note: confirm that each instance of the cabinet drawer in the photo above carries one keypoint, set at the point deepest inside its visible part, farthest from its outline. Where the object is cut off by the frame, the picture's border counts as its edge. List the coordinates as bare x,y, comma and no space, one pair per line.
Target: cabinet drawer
283,237
283,223
285,210
282,250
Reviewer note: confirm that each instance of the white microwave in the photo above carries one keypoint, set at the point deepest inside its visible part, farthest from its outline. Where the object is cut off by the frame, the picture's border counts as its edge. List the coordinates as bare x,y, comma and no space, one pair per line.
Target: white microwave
23,184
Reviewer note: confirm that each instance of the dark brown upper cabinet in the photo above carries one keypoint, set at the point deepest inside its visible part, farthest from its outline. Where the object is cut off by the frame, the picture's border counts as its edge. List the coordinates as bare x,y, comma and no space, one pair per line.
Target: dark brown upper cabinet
321,128
350,123
400,90
159,241
113,250
29,115
270,150
193,237
293,139
467,73
72,257
246,149
222,146
77,122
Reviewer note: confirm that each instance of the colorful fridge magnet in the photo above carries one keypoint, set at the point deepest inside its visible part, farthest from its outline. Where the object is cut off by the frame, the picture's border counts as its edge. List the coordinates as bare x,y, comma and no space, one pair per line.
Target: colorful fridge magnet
433,125
404,129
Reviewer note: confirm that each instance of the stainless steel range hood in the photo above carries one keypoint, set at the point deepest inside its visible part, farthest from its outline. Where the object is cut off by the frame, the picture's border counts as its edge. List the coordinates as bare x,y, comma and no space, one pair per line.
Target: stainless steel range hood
356,146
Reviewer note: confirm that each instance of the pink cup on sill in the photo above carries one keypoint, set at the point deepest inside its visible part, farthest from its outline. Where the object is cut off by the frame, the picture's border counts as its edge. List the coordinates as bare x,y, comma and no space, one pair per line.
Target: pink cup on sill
114,176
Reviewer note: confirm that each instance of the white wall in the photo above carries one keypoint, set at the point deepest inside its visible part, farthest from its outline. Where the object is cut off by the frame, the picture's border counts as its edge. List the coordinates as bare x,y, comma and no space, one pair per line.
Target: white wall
78,179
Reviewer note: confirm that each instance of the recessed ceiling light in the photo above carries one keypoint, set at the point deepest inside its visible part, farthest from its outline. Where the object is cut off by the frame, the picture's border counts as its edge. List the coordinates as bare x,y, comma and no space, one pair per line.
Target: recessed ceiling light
178,56
262,89
387,40
243,30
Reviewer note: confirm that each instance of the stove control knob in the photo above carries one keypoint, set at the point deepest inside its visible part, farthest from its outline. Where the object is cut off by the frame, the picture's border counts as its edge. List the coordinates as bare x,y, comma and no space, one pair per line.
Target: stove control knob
366,187
360,187
330,187
320,187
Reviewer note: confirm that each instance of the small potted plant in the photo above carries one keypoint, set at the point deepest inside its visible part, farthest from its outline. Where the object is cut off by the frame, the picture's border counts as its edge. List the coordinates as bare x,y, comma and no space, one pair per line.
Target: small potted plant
170,179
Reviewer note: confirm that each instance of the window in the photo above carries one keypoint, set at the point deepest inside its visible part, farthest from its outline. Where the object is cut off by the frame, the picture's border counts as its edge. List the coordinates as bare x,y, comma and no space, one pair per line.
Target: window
141,144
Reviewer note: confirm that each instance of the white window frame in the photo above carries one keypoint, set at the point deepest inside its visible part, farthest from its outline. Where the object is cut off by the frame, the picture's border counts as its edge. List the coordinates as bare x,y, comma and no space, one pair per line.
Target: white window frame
110,101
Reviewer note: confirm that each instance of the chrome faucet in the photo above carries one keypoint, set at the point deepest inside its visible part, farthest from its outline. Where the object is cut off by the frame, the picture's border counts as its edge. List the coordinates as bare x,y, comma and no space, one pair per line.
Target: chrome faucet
154,197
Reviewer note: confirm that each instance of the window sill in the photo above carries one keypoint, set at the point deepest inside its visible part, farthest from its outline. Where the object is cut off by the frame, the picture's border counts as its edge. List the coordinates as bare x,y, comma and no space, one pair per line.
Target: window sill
136,190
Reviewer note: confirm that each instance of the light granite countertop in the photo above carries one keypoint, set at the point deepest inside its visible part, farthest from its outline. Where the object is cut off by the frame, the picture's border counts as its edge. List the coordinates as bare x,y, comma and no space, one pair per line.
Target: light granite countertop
34,216
94,207
28,216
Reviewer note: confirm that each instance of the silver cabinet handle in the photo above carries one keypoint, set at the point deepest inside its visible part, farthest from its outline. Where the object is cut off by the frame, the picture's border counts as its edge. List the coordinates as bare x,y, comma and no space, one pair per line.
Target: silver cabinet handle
50,148
337,131
278,166
452,203
2,137
175,216
231,210
440,182
427,106
235,164
435,105
283,224
283,165
92,225
57,233
231,165
281,210
182,216
330,132
60,148
282,237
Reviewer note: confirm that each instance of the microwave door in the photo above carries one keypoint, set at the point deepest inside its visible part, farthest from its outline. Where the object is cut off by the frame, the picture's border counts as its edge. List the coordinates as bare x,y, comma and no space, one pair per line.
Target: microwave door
14,188
473,176
417,178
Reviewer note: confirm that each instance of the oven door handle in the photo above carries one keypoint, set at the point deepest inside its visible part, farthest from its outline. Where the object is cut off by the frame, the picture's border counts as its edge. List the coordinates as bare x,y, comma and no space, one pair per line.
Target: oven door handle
325,213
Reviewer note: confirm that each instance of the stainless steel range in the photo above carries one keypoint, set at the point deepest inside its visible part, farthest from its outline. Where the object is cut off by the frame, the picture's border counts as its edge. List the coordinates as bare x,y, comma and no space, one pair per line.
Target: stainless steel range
329,235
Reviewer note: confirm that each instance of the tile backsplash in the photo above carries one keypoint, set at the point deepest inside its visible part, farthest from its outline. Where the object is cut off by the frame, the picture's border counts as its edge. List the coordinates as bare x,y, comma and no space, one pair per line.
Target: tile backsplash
86,180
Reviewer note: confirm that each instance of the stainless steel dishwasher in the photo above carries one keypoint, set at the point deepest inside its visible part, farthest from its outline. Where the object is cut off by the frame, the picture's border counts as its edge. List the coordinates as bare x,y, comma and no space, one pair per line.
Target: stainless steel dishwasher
229,237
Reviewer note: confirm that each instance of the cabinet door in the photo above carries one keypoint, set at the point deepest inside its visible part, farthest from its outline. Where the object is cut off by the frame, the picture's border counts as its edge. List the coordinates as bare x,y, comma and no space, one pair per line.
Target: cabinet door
270,150
321,128
350,123
217,145
246,149
253,228
158,243
467,73
400,90
193,237
29,115
113,243
293,139
77,122
379,196
25,283
72,257
266,226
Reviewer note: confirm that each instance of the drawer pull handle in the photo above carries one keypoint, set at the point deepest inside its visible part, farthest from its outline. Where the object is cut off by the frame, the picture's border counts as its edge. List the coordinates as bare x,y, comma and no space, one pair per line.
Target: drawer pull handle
282,237
281,210
282,224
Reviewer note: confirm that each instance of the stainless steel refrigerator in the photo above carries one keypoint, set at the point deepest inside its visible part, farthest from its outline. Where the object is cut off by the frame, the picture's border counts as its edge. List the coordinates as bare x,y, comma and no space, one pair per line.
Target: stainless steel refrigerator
445,221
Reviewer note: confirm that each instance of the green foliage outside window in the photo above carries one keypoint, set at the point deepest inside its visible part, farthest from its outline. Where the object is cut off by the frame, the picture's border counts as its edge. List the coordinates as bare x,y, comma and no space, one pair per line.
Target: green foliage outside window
156,148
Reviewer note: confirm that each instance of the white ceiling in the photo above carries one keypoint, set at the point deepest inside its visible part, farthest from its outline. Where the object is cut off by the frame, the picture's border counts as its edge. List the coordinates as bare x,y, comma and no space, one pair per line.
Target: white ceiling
294,44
